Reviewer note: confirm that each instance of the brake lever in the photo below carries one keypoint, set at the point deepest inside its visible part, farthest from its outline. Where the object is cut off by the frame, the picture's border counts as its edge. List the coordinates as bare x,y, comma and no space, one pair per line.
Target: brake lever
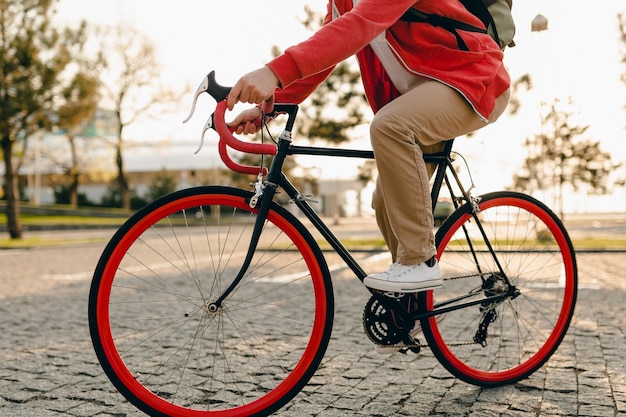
208,125
202,88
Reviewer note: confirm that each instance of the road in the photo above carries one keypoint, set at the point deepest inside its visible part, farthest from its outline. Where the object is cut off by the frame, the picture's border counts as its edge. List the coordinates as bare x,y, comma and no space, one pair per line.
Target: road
48,368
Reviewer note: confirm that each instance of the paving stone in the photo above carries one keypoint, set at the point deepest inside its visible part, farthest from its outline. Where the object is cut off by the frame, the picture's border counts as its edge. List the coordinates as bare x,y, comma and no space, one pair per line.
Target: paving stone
48,367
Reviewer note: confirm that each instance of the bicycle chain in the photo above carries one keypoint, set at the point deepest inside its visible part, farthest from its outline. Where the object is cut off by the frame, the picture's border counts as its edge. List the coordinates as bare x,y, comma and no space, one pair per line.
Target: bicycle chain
381,328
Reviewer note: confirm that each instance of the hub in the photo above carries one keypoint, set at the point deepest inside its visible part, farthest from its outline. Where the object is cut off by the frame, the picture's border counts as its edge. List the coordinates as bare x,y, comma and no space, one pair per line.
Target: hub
211,307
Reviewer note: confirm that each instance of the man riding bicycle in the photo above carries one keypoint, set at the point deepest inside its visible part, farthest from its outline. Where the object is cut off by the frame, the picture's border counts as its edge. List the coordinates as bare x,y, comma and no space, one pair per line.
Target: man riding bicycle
425,84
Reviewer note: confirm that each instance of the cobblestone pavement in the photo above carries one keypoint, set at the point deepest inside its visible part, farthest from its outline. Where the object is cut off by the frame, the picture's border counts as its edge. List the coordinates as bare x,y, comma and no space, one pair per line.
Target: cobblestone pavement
48,368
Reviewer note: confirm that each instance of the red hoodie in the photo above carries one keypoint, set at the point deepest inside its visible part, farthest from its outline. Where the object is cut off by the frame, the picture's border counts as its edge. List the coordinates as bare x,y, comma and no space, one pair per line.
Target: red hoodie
422,49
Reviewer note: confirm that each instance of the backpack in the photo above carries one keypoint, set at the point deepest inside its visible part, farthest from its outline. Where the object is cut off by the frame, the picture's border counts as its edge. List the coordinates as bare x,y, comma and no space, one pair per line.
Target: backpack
495,15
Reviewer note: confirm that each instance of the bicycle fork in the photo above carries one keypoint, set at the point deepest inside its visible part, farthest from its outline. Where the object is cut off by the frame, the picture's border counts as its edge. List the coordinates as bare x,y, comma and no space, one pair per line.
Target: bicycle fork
263,199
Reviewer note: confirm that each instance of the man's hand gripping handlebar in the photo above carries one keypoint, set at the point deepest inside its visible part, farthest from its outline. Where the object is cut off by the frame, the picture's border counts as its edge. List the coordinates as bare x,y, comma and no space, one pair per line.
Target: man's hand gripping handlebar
217,122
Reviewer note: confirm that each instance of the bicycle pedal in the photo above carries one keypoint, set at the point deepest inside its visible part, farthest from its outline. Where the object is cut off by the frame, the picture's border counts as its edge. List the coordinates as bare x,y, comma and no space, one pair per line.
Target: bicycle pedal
395,295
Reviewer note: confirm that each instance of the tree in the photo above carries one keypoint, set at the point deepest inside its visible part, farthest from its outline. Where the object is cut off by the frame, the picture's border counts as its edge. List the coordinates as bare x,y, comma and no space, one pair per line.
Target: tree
80,101
366,174
328,115
130,83
34,58
557,156
335,109
164,183
337,105
332,111
523,83
113,197
622,29
62,196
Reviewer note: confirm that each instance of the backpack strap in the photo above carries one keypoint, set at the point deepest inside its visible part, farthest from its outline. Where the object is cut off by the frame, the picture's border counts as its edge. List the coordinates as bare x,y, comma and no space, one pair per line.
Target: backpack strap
451,25
479,9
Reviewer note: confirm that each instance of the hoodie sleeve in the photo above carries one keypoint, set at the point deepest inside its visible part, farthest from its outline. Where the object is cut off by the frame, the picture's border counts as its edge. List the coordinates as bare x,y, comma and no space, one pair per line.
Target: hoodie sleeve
302,67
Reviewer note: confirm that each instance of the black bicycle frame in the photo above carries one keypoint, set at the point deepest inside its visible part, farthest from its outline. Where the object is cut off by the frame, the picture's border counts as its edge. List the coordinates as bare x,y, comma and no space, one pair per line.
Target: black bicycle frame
441,159
277,179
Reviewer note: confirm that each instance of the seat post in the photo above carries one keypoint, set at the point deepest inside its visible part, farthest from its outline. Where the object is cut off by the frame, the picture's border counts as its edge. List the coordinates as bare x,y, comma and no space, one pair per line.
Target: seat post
442,160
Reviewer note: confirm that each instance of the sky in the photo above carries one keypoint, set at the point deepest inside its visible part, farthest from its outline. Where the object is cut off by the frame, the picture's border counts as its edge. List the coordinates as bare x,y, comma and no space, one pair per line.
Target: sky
578,57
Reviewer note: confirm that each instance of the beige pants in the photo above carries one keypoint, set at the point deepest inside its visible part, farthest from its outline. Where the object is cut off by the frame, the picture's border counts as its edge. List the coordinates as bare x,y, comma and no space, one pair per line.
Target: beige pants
417,122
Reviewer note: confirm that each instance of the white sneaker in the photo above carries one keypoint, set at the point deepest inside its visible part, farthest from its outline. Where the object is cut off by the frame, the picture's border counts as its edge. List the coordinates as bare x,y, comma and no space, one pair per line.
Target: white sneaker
406,278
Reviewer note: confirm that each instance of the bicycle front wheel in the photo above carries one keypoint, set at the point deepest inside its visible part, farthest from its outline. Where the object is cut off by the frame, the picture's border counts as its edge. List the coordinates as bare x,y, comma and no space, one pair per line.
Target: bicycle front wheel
514,269
155,328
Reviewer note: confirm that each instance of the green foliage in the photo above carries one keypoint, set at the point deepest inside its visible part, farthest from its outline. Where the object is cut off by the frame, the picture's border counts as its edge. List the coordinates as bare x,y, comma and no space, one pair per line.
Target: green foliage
80,101
366,171
113,197
63,195
558,156
329,114
131,85
164,183
524,82
35,59
337,105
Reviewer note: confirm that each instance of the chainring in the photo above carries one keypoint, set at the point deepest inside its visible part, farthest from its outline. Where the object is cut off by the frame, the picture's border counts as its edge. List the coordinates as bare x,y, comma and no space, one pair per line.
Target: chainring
382,318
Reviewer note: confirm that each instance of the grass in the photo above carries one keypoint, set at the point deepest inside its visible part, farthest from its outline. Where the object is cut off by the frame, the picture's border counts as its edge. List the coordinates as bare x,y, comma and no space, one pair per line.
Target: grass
586,243
46,220
29,220
37,242
34,221
599,243
357,244
351,244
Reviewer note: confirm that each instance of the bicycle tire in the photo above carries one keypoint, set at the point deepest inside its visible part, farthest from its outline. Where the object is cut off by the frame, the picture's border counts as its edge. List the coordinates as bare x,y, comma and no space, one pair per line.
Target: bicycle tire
150,322
519,333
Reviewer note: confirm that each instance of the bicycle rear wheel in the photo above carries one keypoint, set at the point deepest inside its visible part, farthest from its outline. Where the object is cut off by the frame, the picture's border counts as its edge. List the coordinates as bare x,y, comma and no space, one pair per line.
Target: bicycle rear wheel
499,341
152,325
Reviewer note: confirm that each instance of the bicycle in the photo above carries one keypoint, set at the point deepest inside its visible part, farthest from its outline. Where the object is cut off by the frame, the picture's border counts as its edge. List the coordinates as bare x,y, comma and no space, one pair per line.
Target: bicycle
218,301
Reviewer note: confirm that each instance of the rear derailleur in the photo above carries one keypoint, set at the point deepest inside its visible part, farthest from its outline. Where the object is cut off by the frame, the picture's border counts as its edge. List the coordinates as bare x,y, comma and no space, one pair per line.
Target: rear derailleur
495,288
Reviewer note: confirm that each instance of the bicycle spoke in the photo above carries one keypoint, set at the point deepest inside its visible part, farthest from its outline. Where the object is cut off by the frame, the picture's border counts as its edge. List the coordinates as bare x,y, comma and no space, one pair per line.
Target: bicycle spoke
509,337
154,307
